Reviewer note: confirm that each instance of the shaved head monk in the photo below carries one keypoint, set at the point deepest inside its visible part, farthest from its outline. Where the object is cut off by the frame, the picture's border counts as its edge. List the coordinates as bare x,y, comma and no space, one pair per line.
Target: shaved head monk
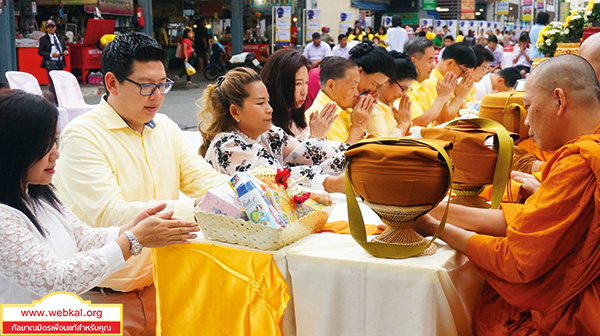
542,258
590,50
524,160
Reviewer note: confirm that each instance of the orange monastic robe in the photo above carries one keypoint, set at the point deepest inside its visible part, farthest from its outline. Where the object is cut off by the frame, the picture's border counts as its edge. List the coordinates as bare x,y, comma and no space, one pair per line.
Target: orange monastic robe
526,152
546,271
532,148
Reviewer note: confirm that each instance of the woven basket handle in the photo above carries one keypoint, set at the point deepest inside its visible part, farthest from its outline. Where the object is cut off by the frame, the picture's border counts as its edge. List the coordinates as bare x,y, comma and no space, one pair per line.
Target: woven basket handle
505,155
355,218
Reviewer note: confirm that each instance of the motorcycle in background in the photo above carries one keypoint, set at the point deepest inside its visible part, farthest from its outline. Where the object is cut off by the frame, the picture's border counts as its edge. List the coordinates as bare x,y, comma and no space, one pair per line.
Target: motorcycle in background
245,59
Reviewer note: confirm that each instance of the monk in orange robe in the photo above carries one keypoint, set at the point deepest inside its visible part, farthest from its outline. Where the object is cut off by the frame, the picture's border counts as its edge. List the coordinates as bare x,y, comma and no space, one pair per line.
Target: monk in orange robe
528,158
541,259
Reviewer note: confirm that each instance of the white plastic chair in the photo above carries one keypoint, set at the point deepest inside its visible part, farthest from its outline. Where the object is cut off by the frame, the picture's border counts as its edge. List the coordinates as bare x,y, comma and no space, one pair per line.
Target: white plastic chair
68,94
24,81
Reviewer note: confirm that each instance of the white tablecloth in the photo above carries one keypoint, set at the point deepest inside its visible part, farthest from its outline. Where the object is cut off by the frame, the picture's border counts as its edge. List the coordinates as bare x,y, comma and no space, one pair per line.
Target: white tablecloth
337,288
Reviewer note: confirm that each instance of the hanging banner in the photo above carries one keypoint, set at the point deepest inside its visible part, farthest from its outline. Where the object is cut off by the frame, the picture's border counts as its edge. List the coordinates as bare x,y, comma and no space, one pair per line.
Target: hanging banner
472,25
564,9
467,9
283,24
527,12
439,24
502,8
429,5
346,21
386,21
426,22
481,26
539,5
452,27
313,22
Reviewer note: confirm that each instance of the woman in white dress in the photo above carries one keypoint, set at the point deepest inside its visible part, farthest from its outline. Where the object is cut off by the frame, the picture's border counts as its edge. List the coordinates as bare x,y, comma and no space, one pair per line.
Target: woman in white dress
238,135
45,248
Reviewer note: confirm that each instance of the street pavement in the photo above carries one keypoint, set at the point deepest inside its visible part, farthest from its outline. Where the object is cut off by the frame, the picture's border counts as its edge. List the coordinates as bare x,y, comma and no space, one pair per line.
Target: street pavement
180,103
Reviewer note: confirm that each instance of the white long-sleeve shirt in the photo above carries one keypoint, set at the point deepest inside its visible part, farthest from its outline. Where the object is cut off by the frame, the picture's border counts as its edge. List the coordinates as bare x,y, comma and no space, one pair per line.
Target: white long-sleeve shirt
396,38
71,257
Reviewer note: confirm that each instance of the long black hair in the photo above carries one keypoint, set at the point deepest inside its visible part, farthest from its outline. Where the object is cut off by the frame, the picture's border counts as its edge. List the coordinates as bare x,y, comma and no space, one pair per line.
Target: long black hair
279,76
28,125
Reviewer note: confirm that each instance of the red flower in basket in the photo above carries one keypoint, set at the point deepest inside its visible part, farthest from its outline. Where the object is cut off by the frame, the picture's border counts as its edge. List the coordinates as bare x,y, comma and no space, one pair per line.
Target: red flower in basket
282,176
301,198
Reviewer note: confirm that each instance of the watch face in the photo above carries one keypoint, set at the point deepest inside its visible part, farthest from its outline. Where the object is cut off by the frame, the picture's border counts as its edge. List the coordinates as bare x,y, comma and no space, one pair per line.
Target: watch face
136,249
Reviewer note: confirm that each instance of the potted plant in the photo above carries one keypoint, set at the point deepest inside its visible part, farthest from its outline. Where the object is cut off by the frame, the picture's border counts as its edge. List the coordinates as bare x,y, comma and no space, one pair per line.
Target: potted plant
593,14
550,36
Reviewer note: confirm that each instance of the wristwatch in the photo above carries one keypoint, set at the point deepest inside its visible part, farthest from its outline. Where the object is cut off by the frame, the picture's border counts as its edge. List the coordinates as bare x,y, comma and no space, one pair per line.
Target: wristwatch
135,246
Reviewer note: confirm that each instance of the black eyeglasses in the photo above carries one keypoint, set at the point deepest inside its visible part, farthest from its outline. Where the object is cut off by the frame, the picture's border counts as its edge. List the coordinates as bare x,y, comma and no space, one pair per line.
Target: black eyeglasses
463,71
147,89
403,88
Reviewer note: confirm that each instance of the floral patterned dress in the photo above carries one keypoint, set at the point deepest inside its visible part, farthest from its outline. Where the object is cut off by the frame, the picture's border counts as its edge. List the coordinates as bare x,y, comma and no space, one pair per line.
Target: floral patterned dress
310,161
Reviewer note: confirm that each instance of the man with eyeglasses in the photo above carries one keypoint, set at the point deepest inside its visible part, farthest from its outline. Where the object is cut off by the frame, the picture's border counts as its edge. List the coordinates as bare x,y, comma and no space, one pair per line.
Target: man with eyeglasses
123,157
459,59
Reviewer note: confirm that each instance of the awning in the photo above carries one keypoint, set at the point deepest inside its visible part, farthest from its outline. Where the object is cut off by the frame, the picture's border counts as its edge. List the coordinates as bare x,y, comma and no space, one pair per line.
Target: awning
375,5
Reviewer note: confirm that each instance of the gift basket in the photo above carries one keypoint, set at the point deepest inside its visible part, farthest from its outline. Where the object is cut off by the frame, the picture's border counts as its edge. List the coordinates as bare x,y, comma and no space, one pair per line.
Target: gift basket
263,209
400,180
482,154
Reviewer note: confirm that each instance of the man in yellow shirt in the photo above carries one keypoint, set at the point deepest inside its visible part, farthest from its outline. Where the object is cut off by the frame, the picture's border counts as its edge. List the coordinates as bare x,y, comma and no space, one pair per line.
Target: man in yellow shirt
339,80
424,108
123,157
461,60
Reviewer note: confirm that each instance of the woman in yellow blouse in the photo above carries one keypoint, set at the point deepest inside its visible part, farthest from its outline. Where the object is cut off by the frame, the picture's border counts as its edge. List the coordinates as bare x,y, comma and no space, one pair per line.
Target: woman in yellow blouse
369,33
382,35
391,117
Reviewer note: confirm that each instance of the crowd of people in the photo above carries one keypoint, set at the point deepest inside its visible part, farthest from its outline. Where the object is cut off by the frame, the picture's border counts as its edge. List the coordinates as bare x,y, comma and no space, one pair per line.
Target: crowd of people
395,38
122,166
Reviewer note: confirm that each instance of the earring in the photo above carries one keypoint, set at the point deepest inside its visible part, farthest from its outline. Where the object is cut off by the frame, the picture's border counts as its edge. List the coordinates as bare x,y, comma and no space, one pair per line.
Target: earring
238,120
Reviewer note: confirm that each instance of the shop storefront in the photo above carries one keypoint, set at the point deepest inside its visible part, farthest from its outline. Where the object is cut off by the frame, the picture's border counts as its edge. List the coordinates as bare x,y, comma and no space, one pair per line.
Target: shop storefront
81,22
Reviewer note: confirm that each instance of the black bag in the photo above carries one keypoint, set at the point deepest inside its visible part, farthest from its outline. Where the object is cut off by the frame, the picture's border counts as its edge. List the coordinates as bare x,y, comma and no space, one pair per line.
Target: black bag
54,65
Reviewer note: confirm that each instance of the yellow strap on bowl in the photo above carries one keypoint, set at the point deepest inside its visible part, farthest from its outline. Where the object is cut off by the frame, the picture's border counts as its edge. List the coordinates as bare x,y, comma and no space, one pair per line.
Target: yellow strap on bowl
505,155
355,218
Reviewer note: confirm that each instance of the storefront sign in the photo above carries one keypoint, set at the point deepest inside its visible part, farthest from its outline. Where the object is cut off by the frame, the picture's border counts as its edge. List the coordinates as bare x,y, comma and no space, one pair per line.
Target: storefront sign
113,7
502,8
527,10
346,21
313,22
429,5
467,9
283,24
407,19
